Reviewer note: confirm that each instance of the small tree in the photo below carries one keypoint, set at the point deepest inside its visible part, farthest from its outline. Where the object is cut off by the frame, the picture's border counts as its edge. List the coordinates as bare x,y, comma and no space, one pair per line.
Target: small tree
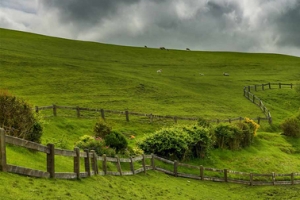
18,117
101,128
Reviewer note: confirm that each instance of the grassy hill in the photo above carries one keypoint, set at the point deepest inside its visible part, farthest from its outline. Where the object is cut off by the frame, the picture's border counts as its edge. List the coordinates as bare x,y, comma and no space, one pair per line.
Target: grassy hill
46,70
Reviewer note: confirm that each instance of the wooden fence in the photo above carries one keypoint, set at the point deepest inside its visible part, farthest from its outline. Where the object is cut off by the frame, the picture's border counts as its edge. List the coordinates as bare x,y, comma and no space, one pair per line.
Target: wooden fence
127,113
145,162
254,99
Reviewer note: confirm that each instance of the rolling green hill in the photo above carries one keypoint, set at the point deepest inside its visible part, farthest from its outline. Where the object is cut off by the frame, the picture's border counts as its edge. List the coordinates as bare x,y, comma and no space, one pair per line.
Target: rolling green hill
45,70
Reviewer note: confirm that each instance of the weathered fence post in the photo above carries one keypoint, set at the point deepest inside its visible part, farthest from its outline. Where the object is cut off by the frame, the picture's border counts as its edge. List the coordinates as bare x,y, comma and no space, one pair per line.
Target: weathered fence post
3,165
269,85
273,178
225,175
104,165
36,109
77,162
127,115
255,88
258,120
94,162
175,168
54,110
241,118
144,163
151,118
119,166
87,162
253,98
175,120
251,179
152,161
229,120
279,85
292,179
249,88
262,86
78,111
51,160
102,114
291,85
132,166
269,118
201,172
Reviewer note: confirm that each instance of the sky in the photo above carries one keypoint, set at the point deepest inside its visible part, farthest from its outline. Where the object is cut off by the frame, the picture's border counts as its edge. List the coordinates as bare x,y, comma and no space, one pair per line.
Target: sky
263,26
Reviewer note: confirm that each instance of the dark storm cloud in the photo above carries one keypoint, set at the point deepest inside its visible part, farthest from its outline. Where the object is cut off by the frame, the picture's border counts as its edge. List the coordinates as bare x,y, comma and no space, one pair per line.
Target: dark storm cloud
81,11
288,25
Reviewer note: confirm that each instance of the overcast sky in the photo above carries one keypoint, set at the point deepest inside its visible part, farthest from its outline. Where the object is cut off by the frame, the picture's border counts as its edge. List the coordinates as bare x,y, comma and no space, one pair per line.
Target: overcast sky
271,26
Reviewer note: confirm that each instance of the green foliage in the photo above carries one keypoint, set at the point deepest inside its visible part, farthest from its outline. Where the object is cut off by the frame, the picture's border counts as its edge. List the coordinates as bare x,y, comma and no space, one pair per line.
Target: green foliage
35,133
116,140
203,122
235,136
96,144
291,126
101,128
17,116
178,142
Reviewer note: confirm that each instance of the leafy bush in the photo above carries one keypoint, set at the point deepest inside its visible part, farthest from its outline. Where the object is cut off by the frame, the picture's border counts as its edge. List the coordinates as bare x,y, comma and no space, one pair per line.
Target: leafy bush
101,129
96,144
291,126
18,117
116,140
235,136
203,122
179,142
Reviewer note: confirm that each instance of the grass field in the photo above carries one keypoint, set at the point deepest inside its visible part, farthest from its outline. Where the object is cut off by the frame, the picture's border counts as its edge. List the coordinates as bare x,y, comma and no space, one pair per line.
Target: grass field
45,70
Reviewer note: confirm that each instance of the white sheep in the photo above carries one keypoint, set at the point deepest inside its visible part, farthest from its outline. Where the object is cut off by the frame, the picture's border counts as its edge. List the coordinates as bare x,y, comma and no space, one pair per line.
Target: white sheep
159,71
201,74
225,74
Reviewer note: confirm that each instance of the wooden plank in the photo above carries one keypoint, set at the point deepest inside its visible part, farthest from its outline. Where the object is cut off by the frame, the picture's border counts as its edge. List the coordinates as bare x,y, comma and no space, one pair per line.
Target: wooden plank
125,160
237,172
262,183
113,173
64,152
164,160
137,158
238,181
262,174
214,170
110,159
66,107
45,107
83,174
127,173
164,170
27,171
87,165
188,176
25,143
65,175
148,156
213,179
138,170
83,155
188,166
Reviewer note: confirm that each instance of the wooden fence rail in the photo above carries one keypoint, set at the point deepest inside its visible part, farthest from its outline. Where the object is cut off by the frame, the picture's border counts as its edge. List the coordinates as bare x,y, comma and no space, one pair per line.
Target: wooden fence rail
144,163
128,113
254,99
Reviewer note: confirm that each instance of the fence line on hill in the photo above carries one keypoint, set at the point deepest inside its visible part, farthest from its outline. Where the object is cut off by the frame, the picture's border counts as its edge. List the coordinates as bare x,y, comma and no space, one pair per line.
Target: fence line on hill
144,163
127,113
254,99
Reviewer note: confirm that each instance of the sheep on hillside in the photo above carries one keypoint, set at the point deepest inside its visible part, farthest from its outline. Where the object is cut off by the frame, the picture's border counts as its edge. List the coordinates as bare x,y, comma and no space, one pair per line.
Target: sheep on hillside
187,49
225,74
159,71
162,48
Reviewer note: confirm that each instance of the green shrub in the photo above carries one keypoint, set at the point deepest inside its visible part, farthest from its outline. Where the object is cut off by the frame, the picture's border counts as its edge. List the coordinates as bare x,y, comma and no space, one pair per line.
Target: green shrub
291,127
116,140
35,133
18,117
101,129
96,144
235,136
179,142
203,122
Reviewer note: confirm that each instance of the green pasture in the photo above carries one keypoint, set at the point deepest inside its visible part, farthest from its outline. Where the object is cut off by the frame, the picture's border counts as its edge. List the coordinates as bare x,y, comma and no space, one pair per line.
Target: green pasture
45,70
